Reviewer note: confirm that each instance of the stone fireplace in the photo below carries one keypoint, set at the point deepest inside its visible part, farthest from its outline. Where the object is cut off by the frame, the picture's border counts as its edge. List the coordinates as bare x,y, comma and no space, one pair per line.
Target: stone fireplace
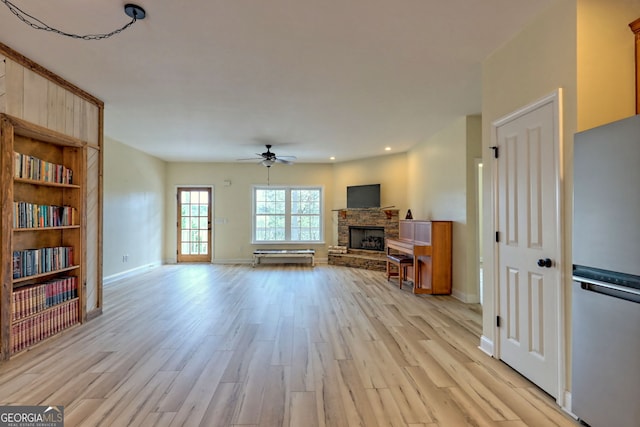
363,232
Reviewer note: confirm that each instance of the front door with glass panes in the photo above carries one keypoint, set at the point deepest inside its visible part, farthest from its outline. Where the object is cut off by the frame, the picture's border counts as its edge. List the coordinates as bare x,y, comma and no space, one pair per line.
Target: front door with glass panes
194,224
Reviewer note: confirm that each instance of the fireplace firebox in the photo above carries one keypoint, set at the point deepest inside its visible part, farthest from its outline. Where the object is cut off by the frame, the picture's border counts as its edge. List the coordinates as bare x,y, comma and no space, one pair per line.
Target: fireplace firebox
367,238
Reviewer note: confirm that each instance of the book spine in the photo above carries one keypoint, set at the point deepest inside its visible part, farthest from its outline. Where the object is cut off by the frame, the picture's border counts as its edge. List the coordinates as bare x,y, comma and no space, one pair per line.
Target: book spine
36,169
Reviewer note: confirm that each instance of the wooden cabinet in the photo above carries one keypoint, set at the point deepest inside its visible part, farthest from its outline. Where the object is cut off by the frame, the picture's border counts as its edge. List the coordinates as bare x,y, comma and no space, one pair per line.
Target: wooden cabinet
430,244
43,233
635,27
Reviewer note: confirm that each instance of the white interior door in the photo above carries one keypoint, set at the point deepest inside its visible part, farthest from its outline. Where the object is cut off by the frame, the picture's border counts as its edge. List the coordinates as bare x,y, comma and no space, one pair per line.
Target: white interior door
528,258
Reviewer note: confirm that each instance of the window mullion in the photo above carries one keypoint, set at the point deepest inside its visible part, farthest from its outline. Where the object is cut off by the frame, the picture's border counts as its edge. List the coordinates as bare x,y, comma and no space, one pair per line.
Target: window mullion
287,220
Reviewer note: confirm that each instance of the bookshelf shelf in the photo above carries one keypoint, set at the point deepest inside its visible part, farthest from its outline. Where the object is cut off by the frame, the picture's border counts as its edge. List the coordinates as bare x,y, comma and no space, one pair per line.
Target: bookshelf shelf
42,275
46,183
37,229
57,196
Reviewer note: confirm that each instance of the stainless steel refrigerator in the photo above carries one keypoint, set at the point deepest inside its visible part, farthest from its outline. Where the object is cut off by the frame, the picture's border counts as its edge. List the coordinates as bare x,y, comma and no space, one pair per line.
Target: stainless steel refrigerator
605,374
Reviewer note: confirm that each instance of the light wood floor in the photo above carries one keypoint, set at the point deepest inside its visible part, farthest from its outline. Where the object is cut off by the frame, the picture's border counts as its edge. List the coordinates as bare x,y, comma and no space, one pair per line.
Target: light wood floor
275,346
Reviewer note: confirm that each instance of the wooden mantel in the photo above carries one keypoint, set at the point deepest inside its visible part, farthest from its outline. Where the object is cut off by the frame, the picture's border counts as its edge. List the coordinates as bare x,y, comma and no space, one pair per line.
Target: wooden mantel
635,27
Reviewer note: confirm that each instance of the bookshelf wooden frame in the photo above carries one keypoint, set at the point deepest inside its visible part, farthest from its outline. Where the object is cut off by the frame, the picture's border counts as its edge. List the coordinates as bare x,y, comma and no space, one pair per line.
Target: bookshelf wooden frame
17,135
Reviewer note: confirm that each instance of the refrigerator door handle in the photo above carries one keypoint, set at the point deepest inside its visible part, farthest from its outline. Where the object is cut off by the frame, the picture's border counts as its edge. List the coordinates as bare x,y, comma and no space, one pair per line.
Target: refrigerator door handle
606,285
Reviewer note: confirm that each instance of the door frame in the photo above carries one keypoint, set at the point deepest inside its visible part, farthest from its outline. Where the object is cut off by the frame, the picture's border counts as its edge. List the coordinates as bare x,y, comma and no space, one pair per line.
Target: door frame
478,167
211,215
555,99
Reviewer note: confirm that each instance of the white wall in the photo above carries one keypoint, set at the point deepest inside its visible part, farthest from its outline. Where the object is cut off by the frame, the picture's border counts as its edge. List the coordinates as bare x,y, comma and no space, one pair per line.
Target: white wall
133,217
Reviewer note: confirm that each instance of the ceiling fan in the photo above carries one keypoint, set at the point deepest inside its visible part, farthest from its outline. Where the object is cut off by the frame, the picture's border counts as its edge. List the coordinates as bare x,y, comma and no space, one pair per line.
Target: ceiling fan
268,158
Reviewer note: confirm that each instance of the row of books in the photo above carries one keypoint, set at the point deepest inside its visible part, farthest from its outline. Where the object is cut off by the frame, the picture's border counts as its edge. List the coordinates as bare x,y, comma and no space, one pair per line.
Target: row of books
30,167
41,326
38,261
30,300
30,215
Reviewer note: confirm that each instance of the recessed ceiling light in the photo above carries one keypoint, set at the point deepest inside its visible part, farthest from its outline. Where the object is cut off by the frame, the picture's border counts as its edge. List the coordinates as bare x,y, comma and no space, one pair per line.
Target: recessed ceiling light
332,158
387,148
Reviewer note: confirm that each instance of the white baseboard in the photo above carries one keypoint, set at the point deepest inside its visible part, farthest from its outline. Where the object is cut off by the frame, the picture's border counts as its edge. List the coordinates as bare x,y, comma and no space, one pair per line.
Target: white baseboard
129,273
486,345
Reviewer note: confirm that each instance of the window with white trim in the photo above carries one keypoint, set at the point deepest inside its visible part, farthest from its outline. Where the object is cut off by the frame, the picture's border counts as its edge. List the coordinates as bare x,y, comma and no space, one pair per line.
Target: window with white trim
287,214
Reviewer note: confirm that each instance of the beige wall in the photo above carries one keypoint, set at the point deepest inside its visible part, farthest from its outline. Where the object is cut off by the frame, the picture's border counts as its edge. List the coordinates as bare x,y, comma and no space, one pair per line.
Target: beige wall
441,187
233,203
388,171
606,65
133,218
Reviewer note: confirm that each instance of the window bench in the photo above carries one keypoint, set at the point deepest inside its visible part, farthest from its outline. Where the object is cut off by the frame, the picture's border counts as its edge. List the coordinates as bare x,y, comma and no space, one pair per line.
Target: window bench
283,253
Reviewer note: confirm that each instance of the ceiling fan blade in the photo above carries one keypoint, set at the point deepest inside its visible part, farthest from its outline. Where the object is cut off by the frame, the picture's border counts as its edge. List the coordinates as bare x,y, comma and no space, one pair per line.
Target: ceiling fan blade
283,161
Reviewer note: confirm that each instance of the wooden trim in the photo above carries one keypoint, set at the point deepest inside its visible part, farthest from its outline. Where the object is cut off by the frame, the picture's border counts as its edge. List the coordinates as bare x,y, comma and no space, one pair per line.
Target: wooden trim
6,268
81,164
635,27
29,130
99,283
33,66
180,257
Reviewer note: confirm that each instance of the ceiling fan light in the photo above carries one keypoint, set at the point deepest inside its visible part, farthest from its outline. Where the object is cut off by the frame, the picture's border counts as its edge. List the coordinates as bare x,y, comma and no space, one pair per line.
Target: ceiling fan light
268,162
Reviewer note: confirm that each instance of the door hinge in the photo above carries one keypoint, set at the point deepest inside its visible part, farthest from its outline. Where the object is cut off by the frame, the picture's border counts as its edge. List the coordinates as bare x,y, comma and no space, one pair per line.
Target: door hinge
498,321
497,237
495,150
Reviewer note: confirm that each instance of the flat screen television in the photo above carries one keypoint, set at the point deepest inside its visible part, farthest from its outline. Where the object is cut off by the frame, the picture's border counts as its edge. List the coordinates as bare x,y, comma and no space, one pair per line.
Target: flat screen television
363,196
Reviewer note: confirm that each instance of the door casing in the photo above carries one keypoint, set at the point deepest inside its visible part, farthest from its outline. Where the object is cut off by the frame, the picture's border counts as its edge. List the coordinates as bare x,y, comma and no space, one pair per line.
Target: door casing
194,258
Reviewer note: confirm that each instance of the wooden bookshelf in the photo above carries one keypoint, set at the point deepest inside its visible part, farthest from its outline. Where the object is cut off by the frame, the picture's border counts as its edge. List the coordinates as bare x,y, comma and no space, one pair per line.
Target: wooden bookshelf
38,256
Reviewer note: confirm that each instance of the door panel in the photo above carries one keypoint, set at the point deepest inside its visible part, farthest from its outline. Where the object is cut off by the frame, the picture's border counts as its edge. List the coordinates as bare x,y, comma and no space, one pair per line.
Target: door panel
528,216
194,224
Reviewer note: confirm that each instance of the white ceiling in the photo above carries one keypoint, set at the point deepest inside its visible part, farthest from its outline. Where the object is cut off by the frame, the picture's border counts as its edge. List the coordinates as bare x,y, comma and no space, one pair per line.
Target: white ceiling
214,80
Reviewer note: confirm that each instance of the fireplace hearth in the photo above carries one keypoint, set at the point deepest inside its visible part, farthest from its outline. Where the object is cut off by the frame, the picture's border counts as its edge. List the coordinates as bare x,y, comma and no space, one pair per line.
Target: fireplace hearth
367,238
